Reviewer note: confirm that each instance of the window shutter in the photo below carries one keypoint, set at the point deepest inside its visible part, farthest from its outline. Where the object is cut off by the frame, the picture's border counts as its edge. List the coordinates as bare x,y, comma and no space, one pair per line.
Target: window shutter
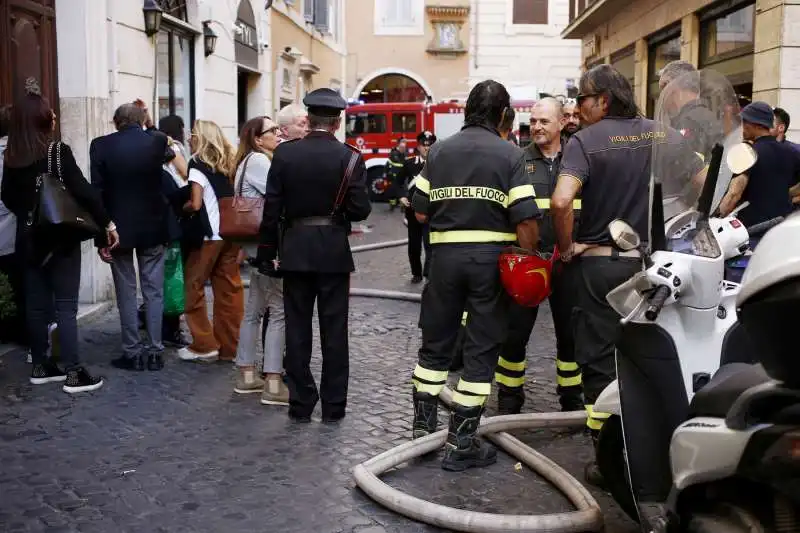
321,15
308,10
530,12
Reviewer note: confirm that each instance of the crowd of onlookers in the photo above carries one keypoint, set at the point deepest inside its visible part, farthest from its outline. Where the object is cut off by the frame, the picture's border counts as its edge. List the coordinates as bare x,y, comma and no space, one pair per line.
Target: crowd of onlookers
156,198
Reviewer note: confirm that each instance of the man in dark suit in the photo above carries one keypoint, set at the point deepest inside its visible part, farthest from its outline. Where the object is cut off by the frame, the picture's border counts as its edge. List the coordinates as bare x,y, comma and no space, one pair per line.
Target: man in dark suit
126,167
309,187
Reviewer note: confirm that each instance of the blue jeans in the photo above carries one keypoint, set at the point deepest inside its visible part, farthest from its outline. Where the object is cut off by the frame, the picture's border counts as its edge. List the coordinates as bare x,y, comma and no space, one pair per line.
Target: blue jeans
57,281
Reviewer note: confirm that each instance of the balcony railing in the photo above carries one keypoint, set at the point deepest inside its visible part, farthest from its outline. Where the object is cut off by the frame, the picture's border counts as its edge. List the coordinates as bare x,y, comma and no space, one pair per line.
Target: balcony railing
584,15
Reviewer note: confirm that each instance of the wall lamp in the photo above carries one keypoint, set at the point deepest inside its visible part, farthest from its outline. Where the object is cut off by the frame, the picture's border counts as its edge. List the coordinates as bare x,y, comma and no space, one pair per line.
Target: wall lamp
152,17
209,38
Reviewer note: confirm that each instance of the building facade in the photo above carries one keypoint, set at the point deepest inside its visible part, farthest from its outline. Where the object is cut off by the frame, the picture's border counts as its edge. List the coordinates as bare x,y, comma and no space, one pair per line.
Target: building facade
752,42
518,42
418,50
307,48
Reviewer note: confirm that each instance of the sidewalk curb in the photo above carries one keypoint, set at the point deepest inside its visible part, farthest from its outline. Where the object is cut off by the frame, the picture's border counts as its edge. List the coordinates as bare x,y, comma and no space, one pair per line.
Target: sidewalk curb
86,313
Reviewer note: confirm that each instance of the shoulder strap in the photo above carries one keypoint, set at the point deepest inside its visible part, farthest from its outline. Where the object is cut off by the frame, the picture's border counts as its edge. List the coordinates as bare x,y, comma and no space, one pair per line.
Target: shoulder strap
345,180
244,171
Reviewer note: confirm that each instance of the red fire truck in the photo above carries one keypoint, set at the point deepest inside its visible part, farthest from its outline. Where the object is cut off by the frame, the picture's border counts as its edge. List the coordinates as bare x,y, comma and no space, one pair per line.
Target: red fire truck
376,128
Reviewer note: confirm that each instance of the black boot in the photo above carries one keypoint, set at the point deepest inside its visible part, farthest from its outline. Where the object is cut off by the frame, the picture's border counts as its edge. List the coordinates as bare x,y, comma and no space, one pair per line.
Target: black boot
510,400
591,472
463,449
426,414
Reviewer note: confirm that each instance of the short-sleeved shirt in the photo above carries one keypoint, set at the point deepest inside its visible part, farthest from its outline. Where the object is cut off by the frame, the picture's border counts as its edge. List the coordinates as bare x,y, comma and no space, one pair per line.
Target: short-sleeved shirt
475,189
611,159
769,180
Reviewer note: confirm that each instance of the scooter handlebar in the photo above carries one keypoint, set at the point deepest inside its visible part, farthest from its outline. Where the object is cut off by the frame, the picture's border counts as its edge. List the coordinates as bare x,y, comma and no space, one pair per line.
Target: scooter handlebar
763,227
657,300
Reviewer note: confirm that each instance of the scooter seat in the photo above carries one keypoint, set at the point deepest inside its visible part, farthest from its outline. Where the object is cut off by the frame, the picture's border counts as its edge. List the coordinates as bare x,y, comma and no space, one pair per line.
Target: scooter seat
730,382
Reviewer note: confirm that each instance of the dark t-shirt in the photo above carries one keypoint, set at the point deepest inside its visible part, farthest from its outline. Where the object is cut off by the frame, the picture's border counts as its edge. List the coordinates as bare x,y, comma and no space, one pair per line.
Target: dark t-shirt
611,159
776,170
699,126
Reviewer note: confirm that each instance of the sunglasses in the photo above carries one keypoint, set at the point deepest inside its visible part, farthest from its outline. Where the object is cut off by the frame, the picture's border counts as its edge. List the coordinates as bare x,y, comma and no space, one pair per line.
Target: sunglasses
581,97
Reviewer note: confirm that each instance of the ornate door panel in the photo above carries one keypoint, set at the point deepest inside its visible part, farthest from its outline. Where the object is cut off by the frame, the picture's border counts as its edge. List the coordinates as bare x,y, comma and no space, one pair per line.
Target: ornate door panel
28,48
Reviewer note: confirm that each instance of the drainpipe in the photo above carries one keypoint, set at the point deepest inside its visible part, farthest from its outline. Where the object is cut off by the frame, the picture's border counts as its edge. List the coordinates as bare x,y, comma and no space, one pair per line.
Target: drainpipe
112,46
476,4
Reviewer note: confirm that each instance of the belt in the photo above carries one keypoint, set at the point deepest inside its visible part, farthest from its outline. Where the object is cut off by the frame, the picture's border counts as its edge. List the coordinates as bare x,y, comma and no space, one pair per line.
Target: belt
314,221
609,251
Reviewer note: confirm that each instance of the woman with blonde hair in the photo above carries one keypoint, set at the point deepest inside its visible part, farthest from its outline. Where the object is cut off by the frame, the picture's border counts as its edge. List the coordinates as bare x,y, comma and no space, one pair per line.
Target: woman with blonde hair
259,137
216,260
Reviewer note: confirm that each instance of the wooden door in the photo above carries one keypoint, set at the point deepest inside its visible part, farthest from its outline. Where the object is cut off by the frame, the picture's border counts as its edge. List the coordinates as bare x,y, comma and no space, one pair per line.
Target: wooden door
28,48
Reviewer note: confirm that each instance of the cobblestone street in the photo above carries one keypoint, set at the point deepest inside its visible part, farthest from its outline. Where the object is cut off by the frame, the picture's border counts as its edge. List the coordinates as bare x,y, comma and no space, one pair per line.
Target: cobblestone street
179,451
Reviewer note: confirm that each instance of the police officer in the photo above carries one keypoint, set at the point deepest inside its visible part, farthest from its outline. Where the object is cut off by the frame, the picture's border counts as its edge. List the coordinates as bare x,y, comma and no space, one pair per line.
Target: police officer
478,199
417,231
608,163
542,161
310,196
394,172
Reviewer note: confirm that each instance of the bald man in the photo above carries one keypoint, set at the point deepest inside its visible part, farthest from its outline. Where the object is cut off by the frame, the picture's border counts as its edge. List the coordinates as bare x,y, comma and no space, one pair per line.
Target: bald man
542,163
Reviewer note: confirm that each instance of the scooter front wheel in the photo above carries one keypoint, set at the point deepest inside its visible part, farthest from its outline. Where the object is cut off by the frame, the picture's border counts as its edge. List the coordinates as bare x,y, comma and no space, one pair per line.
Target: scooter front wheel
613,465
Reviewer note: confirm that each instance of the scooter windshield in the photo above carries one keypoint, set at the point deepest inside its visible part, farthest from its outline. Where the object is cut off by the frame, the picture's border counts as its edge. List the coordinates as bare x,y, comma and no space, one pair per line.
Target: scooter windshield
695,111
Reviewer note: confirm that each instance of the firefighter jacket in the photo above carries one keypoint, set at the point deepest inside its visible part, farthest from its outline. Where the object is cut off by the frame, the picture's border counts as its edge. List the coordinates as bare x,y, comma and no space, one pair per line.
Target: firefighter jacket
543,174
394,166
474,189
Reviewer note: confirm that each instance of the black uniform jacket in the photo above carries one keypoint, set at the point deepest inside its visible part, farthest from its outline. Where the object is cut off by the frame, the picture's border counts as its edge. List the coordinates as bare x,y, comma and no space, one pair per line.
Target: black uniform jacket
544,174
303,182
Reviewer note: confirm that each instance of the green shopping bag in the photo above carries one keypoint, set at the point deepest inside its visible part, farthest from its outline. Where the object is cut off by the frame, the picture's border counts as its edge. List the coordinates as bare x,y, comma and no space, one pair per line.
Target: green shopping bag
174,299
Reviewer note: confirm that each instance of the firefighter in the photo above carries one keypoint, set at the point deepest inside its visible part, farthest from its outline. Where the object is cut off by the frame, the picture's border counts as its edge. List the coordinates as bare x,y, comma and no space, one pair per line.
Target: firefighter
542,161
394,172
309,195
417,231
608,163
477,198
572,121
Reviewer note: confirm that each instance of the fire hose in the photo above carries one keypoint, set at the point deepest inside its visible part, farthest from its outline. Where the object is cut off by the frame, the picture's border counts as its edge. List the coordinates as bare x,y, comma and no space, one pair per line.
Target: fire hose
586,518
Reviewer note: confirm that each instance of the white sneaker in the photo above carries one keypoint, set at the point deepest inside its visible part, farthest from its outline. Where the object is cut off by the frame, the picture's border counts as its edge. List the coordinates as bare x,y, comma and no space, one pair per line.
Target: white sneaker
185,354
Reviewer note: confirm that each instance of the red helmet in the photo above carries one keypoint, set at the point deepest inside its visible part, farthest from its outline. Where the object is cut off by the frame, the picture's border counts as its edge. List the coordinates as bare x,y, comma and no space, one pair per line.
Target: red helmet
526,275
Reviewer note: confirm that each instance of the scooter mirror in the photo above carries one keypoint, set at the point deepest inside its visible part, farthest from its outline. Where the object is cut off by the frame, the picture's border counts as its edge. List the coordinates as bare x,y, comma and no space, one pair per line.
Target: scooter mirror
741,157
623,235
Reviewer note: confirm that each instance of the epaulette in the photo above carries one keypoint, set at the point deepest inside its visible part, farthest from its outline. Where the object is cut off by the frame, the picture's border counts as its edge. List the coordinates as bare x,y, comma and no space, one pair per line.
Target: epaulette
353,148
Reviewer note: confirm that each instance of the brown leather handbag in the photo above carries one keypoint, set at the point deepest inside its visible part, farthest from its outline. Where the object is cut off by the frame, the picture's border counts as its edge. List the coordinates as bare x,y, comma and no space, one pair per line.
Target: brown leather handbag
239,217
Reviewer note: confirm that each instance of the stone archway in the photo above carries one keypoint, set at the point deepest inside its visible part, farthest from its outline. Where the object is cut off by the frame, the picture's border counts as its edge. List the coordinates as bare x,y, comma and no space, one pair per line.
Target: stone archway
393,84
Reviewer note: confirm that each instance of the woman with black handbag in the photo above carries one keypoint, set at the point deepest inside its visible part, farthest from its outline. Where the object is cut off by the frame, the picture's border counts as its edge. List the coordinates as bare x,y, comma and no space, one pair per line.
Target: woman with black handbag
56,208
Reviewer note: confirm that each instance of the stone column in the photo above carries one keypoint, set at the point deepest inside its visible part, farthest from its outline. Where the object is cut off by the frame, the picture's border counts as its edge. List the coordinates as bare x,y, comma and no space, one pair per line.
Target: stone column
690,39
83,85
776,77
640,74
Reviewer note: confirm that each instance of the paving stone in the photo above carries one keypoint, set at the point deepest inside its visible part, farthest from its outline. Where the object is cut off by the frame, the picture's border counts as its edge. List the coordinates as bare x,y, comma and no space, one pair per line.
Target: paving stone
178,451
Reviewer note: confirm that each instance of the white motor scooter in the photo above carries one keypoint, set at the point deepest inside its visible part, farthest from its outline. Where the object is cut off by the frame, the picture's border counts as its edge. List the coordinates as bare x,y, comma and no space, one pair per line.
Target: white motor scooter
736,459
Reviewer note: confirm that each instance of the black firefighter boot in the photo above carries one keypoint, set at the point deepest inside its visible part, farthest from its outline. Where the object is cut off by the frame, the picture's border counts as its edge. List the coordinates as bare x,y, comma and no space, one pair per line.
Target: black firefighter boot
591,472
463,448
509,400
426,414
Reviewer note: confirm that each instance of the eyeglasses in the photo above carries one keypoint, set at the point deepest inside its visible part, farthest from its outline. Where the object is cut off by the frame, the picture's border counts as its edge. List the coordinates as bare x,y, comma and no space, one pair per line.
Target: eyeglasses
581,97
271,130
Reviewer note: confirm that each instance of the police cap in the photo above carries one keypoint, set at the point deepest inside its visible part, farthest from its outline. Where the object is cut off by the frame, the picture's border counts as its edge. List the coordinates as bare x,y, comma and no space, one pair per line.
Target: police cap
426,138
324,102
